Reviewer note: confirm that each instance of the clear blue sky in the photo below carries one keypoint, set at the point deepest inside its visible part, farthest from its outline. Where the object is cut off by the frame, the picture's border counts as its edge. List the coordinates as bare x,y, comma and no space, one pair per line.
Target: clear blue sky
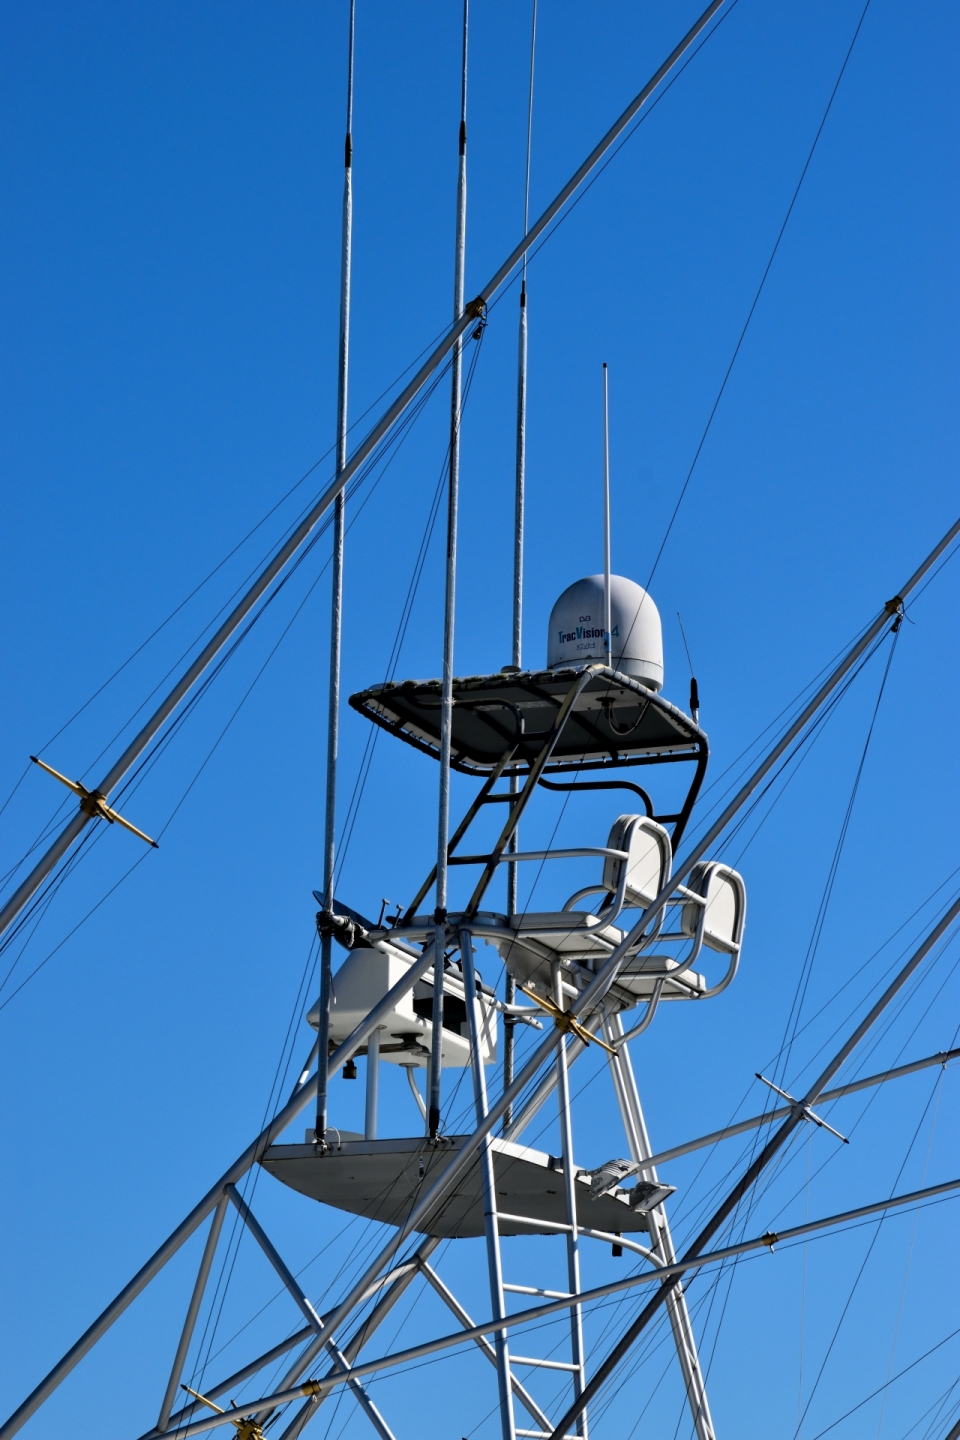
171,182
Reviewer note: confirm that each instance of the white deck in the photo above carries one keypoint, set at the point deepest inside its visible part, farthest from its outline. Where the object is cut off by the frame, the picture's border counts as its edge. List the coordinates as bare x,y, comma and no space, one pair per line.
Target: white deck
381,1179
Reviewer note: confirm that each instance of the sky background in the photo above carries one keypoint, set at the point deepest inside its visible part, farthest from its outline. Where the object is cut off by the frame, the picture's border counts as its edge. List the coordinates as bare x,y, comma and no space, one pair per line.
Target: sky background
171,180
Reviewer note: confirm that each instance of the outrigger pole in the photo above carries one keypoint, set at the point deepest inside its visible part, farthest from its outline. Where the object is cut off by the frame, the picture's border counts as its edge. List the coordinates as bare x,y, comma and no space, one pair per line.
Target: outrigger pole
336,605
449,612
519,506
472,313
586,1005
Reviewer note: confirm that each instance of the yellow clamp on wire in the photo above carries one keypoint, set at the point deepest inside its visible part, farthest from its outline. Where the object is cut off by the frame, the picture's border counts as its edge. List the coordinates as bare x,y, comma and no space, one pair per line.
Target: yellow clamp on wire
93,803
566,1022
247,1428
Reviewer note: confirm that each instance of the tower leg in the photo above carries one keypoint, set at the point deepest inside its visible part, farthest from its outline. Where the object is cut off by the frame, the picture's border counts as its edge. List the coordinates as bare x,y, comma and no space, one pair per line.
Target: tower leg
628,1098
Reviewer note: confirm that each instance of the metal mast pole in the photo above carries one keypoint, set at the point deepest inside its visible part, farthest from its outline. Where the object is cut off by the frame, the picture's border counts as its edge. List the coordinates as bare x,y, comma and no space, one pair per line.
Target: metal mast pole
509,1027
522,388
607,625
336,605
449,611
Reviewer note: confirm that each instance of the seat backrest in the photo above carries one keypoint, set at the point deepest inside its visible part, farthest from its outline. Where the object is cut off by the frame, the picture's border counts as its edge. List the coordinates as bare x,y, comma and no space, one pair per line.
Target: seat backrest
649,858
726,908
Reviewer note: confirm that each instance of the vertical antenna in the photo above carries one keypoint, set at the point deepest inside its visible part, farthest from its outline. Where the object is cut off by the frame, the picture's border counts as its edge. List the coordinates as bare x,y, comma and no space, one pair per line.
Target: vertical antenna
607,618
522,386
336,610
517,656
694,692
449,612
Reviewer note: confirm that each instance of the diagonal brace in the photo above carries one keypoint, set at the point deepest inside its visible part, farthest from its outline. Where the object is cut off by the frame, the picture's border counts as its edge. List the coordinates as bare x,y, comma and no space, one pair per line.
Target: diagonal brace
307,1309
452,1303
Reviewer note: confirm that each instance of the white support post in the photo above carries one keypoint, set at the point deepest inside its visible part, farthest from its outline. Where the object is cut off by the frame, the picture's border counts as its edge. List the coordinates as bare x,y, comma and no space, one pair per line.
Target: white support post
638,1142
491,1228
569,1186
373,1085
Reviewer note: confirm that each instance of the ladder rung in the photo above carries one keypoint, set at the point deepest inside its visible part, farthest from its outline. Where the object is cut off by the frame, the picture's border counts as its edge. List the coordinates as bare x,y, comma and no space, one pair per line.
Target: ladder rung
541,1434
544,1364
532,1290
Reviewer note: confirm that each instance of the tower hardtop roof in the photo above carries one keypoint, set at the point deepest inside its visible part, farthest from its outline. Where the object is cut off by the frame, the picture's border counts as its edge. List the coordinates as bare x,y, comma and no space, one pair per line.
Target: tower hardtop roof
615,720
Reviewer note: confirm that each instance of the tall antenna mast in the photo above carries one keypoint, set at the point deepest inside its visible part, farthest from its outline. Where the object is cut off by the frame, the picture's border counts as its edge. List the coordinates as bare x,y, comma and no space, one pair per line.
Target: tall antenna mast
607,618
336,605
449,612
522,385
517,656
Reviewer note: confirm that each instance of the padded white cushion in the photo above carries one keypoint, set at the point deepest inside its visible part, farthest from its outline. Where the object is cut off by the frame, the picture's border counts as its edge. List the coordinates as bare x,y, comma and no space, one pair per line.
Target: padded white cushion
726,897
650,856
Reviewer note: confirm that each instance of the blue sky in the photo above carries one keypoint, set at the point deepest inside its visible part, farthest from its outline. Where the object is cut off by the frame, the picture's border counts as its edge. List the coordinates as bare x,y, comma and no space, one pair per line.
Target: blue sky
171,181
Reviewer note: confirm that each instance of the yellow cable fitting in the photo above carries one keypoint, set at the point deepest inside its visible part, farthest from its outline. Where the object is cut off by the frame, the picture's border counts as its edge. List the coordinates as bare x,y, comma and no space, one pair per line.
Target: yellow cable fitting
566,1022
94,803
247,1428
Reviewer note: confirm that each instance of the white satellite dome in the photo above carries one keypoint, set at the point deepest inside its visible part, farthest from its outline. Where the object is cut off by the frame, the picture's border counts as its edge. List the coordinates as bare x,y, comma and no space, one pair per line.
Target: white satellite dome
577,625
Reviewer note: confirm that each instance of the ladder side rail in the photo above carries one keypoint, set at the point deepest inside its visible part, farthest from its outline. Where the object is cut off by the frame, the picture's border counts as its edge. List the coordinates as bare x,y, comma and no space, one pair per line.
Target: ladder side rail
571,1238
491,1229
544,1090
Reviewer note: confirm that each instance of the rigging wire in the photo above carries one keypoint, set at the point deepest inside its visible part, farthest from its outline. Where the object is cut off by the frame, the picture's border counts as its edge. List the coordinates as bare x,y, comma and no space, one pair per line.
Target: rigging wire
226,558
813,945
386,455
756,298
863,1266
906,1270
